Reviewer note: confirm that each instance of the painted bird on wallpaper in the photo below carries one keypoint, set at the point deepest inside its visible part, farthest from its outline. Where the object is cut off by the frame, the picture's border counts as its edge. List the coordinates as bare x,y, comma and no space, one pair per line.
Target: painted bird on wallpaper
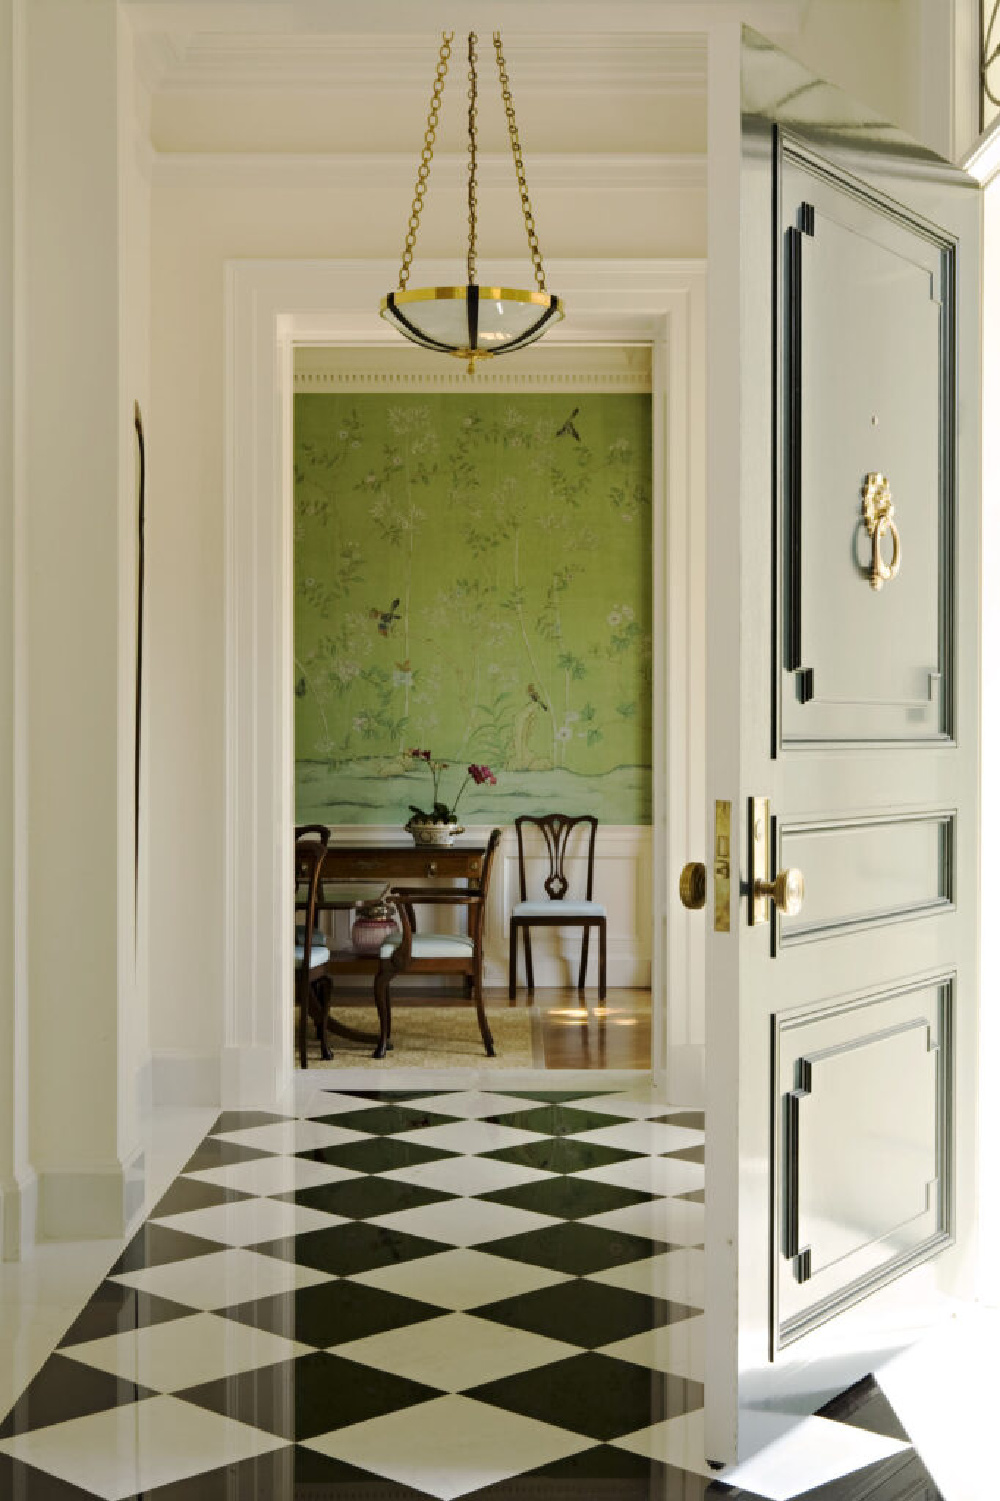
536,697
568,428
386,618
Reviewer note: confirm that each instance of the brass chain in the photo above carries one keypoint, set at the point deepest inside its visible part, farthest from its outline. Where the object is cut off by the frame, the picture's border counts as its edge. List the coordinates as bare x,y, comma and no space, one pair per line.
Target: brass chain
426,157
515,146
473,93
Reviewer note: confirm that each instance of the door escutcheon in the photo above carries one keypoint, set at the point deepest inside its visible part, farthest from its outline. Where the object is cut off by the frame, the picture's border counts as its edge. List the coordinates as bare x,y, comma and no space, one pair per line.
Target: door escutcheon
788,888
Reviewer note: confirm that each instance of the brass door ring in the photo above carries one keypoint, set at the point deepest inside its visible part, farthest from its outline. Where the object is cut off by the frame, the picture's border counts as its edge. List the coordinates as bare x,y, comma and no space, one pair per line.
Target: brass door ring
879,513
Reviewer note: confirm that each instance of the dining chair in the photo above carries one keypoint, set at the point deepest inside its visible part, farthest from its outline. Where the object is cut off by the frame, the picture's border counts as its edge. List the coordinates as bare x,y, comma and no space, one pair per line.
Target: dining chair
435,953
312,953
318,831
555,910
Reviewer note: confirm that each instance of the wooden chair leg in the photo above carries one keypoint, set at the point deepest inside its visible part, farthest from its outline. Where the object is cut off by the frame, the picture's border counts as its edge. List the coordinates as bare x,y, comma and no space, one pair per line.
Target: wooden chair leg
512,963
529,973
602,985
325,989
382,1007
304,992
584,955
484,1026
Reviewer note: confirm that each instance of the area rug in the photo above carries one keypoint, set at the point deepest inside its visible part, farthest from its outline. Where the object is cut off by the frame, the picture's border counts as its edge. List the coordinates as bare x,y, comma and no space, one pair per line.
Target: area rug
431,1037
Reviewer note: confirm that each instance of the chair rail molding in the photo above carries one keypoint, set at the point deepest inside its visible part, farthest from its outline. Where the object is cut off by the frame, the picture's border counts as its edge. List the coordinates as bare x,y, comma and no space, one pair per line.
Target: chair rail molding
271,307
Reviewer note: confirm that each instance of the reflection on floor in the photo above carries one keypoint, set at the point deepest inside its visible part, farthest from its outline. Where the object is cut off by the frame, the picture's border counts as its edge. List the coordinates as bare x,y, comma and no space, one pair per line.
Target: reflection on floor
401,1295
569,1030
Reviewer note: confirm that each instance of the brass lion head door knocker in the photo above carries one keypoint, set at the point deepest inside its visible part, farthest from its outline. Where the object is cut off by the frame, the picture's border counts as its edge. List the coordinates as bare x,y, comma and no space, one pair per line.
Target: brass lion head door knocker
879,522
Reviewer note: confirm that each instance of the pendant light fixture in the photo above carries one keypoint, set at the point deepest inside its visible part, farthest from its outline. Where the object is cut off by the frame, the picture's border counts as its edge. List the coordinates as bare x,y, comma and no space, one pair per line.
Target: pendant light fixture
472,322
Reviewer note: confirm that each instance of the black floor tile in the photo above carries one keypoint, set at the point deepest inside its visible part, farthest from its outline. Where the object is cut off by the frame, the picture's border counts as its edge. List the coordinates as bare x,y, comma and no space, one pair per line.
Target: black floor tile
688,1154
560,1154
242,1120
185,1194
19,1482
556,1096
568,1197
300,1399
332,1313
115,1309
345,1249
385,1094
65,1389
213,1152
693,1196
388,1120
379,1154
364,1198
692,1120
586,1313
605,1473
866,1406
575,1248
593,1394
156,1245
558,1120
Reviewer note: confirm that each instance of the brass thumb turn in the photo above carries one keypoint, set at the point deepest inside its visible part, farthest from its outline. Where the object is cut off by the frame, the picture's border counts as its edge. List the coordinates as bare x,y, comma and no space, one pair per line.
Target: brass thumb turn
692,886
787,890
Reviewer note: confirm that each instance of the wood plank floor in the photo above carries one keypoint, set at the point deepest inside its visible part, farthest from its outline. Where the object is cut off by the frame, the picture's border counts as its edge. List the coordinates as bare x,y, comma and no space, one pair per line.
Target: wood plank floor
570,1030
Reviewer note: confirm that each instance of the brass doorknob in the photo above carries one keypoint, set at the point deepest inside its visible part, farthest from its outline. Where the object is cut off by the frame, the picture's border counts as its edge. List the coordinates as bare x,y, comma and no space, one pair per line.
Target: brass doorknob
692,886
787,890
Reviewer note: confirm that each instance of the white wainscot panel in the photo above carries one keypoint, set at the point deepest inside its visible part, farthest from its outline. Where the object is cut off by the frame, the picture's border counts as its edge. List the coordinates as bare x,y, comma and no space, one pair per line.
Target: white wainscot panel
622,882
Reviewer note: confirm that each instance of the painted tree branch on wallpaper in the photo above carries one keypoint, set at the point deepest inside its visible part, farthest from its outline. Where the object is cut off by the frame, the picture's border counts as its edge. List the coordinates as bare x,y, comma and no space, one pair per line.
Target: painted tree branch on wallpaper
473,571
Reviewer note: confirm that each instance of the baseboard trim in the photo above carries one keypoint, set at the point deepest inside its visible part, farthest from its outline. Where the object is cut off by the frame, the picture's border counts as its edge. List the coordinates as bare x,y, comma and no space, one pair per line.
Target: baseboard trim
94,1203
179,1077
18,1216
250,1076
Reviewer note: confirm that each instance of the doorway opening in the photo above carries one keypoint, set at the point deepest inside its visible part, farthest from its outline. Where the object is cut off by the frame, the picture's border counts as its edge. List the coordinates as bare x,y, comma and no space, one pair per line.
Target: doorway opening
474,578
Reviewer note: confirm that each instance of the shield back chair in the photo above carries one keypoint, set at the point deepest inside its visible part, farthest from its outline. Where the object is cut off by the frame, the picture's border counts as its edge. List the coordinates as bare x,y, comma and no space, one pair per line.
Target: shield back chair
556,910
317,960
438,953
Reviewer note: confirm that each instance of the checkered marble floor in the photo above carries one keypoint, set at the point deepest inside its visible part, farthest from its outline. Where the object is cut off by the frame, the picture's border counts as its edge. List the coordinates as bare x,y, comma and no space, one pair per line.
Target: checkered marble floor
400,1295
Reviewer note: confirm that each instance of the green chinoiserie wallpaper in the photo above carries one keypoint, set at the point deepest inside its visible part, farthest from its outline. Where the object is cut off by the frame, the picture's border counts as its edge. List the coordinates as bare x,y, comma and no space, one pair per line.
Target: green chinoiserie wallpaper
473,576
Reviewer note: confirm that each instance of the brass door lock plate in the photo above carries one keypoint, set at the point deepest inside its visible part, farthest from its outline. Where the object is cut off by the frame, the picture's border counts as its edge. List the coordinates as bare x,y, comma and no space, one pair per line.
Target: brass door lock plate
760,840
721,865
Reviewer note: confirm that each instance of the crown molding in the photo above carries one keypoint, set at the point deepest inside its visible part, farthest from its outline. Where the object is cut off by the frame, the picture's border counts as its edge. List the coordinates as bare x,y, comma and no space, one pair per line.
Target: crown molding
350,63
604,172
325,369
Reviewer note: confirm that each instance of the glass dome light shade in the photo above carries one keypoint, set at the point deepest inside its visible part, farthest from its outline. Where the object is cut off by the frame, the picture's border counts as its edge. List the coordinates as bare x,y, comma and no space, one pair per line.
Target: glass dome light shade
471,322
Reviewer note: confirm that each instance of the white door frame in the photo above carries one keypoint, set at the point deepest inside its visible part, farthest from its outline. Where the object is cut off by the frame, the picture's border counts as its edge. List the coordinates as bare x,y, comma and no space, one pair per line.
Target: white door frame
270,307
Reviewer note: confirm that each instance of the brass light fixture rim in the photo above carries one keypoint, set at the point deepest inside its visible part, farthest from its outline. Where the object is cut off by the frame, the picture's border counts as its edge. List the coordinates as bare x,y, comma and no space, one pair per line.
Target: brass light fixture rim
459,294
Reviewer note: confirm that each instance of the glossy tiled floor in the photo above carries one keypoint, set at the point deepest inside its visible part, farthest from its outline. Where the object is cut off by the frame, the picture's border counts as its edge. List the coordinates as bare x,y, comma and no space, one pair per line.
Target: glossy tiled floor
410,1294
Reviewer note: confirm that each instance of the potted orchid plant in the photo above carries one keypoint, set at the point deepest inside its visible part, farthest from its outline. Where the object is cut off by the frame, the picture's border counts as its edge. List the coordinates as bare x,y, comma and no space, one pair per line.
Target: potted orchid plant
440,825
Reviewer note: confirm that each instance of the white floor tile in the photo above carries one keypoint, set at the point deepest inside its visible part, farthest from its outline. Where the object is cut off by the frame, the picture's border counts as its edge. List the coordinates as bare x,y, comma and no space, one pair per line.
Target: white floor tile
469,1137
460,1279
677,1441
794,1454
274,1175
250,1222
456,1351
676,1348
287,1137
653,1175
222,1278
472,1104
139,1446
679,1275
450,1447
643,1136
185,1352
464,1222
468,1175
670,1220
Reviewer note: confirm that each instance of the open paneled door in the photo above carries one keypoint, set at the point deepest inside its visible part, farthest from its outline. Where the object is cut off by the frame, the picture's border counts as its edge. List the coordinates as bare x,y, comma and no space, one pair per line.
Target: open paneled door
843,689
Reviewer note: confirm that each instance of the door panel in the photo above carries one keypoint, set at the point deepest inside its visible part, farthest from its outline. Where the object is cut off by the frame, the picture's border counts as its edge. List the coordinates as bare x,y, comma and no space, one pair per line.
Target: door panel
842,1065
869,389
